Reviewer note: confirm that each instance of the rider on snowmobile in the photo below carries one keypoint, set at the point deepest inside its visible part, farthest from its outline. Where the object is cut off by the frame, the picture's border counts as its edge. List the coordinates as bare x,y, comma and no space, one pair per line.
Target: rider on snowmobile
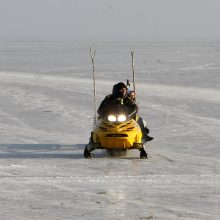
119,96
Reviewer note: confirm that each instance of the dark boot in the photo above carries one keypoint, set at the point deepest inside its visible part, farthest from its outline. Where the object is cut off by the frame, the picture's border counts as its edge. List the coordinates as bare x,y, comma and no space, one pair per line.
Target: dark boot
148,138
147,130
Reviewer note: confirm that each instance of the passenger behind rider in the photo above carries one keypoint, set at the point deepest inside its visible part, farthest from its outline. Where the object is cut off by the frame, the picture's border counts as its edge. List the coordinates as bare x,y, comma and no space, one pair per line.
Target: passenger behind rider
142,123
119,96
132,95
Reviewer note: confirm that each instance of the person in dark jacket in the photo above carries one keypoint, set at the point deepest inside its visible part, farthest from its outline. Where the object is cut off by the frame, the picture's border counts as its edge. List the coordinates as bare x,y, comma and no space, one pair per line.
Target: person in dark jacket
119,96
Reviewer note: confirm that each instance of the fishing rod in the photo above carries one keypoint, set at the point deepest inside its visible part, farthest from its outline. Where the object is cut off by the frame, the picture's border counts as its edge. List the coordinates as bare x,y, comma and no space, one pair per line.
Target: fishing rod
92,54
133,72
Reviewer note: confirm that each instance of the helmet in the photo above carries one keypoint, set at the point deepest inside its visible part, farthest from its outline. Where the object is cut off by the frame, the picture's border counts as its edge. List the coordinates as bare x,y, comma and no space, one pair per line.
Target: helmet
120,85
117,87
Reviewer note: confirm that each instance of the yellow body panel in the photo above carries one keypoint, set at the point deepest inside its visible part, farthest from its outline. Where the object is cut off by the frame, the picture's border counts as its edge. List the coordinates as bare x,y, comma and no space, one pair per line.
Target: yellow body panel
123,135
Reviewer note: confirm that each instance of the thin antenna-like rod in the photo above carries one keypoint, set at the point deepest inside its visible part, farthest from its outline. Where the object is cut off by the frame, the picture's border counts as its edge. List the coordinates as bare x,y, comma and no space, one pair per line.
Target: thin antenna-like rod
133,72
92,54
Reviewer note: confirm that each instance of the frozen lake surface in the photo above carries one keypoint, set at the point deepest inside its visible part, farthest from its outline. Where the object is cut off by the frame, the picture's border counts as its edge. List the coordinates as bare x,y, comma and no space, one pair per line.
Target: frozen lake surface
46,113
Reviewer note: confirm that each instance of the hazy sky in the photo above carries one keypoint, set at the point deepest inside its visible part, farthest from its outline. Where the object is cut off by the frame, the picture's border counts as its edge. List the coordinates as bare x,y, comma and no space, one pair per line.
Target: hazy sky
110,19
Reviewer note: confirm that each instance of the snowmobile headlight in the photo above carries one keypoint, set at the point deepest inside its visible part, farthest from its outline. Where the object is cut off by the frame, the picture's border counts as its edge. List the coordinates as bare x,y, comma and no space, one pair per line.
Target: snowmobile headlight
121,118
111,118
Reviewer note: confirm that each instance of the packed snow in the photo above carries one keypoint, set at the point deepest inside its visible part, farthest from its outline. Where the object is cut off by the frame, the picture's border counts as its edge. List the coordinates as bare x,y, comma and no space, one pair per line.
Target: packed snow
46,116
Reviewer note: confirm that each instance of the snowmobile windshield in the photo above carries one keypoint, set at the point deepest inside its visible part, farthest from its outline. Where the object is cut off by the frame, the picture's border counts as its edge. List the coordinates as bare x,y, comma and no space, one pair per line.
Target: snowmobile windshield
118,110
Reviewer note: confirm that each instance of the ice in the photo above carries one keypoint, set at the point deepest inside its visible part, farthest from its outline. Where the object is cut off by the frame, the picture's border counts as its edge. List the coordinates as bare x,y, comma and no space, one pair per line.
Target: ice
46,115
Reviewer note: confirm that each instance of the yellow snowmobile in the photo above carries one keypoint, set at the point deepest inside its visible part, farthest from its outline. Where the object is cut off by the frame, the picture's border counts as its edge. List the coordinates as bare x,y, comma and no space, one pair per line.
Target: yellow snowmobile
116,131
